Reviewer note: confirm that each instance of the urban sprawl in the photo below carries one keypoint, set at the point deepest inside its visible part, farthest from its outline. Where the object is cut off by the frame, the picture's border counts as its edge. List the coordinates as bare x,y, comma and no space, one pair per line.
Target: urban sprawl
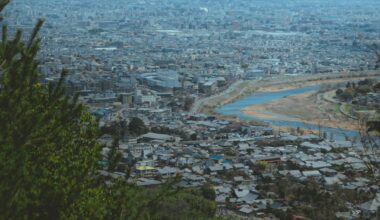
141,66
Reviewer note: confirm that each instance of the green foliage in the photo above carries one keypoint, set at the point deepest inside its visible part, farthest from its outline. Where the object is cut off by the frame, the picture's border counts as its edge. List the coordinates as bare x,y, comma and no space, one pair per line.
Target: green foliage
261,165
174,132
49,150
189,204
208,191
114,155
374,126
309,199
363,89
136,126
131,202
339,92
193,137
348,94
348,85
366,82
164,202
48,141
230,152
352,90
189,101
229,174
116,128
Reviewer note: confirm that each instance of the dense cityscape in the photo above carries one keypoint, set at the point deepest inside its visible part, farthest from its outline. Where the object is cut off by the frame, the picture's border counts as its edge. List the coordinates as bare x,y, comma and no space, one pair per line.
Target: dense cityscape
156,75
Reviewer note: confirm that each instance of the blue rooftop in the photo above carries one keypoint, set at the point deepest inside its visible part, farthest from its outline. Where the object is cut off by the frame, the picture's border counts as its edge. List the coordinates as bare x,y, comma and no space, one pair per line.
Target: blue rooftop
216,157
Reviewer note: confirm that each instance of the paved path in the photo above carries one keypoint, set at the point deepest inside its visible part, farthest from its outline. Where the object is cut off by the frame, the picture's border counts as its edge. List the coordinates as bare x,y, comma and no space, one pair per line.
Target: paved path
200,102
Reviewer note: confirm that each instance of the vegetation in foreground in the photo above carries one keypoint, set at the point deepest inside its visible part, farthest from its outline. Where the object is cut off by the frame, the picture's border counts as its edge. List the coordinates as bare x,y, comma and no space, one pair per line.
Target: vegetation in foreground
49,153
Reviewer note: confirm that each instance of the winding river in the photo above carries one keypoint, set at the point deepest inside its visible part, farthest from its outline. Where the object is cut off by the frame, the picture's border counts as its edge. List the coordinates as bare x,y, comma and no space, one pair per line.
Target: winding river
234,109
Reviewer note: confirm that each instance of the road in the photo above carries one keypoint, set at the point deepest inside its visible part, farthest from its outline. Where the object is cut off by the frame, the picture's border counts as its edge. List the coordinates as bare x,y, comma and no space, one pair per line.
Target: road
200,102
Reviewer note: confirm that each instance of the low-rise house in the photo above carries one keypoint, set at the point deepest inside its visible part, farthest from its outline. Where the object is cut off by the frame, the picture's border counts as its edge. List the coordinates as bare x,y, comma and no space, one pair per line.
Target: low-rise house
311,173
328,171
371,206
273,159
146,171
315,147
293,173
221,198
341,144
215,168
330,181
191,180
250,198
240,193
147,182
246,210
317,164
238,179
168,171
238,166
223,189
154,137
243,146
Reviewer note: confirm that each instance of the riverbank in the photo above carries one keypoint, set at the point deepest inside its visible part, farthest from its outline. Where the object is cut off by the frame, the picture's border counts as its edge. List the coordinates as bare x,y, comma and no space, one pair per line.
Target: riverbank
281,83
243,88
307,108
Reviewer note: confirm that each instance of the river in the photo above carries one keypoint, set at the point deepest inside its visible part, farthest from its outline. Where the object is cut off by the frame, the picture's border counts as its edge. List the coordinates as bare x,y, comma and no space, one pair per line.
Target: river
234,109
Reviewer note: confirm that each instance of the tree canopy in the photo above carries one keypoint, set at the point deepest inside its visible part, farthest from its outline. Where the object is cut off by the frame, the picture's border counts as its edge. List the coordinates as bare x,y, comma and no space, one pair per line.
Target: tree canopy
48,141
49,151
136,126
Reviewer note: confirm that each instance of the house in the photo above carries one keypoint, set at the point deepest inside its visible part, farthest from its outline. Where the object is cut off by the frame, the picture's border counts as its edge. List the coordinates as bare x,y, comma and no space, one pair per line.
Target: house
295,173
330,181
328,171
238,179
274,159
154,137
342,144
240,193
311,173
223,190
317,164
348,215
243,146
314,147
371,206
208,87
168,171
146,171
246,210
215,168
216,158
221,198
147,182
191,180
250,198
238,166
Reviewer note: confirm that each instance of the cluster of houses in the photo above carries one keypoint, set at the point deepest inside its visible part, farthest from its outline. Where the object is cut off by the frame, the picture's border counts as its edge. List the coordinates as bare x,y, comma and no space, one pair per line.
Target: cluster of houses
227,156
144,59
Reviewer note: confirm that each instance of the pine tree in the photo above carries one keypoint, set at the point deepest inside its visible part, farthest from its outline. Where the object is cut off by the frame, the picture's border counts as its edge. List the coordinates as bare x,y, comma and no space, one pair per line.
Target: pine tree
114,155
49,150
48,141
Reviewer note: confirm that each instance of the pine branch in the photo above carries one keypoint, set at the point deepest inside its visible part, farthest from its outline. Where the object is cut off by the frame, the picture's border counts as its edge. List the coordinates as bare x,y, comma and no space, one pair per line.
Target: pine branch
3,3
33,42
